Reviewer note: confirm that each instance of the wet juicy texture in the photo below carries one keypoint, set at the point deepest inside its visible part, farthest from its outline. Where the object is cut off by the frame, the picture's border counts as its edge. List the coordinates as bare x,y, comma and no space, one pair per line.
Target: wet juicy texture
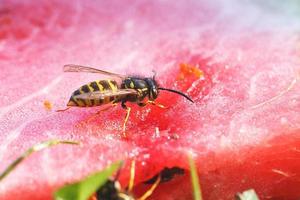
243,128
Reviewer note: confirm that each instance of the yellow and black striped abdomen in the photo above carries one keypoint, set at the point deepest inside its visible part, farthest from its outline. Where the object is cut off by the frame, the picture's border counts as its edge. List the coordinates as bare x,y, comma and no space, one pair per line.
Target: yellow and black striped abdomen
95,86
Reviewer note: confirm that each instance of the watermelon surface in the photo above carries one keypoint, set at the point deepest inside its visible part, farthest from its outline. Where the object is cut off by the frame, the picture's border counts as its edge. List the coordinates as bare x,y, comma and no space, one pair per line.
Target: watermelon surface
239,61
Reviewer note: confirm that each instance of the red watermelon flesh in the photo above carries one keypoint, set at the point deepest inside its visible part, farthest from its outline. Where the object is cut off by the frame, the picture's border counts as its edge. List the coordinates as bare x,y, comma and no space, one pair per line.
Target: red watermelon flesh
243,128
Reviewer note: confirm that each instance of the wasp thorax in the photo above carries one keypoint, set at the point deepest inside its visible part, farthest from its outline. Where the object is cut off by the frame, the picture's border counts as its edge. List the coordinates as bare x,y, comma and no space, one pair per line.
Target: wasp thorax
137,84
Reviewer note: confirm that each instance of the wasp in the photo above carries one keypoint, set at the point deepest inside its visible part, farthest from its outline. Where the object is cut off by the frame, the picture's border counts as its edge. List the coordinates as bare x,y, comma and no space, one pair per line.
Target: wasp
117,89
112,190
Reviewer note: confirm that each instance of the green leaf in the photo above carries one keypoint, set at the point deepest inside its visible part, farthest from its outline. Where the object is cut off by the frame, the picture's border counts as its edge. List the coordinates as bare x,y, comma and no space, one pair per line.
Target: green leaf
85,188
195,179
35,148
247,195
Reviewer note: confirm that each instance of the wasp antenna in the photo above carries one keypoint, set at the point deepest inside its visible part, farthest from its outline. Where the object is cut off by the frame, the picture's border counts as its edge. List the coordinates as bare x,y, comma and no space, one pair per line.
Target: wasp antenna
154,74
177,92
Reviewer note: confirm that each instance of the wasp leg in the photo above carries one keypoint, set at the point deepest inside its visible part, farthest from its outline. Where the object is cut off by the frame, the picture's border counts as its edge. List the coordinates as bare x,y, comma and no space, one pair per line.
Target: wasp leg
105,109
132,174
87,121
151,190
62,110
128,109
142,104
98,112
124,196
157,104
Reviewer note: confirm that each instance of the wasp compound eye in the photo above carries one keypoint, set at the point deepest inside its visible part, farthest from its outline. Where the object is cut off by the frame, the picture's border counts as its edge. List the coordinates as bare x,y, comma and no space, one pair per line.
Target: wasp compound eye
154,93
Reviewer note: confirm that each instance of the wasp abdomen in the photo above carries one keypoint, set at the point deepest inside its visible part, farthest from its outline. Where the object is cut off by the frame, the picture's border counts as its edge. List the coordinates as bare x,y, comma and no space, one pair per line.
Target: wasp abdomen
95,86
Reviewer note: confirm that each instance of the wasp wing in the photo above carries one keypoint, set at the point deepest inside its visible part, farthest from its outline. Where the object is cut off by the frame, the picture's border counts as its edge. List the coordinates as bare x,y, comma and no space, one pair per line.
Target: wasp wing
80,68
103,94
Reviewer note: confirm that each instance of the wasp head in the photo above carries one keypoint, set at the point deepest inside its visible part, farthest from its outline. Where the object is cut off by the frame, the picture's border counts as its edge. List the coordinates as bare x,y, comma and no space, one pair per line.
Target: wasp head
153,88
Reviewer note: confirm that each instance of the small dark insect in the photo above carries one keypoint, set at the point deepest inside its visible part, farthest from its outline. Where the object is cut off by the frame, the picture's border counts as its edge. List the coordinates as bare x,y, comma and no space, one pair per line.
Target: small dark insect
119,89
166,175
112,190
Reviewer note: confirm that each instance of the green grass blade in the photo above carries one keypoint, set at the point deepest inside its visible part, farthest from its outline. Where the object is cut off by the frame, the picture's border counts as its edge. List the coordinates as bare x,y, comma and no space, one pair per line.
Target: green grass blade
195,179
85,188
35,148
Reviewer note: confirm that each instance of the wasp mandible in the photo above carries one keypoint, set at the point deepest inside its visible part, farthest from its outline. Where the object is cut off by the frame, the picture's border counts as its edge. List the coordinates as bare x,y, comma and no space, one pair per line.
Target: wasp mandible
117,89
